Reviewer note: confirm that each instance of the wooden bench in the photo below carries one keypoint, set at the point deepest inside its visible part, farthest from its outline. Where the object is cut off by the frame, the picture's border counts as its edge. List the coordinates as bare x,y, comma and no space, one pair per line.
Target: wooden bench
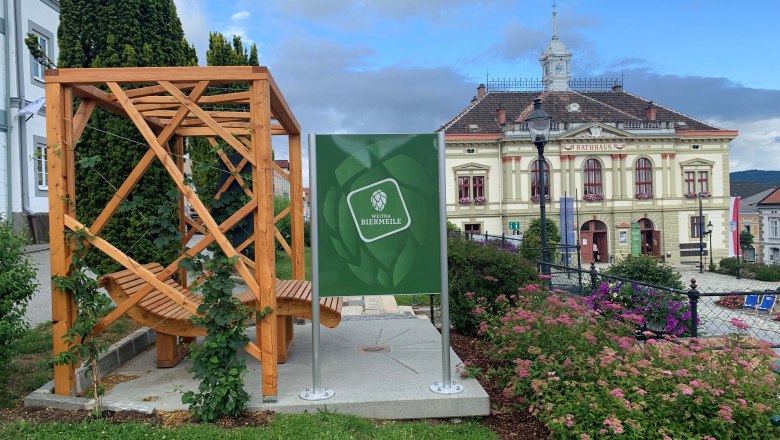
159,312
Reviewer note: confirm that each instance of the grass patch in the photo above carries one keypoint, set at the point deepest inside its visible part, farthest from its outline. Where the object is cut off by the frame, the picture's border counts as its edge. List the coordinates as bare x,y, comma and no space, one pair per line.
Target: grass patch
284,264
291,427
29,368
416,300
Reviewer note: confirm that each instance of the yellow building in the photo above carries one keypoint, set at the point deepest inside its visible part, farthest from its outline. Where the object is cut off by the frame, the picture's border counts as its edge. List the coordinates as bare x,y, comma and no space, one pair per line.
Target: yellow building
625,160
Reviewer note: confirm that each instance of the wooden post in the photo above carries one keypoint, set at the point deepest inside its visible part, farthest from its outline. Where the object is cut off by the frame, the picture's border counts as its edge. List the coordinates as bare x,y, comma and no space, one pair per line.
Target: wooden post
60,200
265,254
296,205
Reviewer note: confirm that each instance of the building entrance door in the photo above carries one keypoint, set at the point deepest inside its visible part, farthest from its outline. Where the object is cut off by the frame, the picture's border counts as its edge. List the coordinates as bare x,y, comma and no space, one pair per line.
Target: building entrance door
650,238
597,246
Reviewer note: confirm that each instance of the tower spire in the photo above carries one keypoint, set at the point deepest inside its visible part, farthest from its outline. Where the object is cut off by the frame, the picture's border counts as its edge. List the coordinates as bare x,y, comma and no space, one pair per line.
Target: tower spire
554,21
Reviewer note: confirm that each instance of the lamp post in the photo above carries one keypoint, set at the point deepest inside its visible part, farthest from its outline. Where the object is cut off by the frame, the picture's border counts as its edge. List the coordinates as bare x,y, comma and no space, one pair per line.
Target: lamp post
539,130
709,232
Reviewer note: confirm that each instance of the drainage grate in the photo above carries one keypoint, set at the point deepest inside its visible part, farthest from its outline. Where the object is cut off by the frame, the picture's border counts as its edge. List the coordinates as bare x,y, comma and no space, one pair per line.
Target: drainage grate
381,348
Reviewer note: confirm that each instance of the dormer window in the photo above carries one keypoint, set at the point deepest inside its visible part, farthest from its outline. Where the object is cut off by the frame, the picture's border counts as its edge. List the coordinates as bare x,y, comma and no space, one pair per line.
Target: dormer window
473,128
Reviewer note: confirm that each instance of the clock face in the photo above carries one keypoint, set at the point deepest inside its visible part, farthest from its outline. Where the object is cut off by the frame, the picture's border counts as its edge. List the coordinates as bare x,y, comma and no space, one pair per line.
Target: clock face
559,68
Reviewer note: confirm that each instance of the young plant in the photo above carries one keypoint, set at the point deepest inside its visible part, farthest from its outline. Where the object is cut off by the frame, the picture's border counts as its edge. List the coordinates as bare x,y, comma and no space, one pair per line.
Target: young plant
91,305
216,363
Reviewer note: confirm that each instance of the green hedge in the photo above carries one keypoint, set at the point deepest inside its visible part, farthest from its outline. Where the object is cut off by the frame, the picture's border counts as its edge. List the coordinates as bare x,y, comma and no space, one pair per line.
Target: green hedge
646,269
759,271
486,270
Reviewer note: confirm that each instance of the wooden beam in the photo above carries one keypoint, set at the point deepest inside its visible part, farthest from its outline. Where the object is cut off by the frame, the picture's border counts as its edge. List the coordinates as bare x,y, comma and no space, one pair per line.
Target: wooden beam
225,98
212,114
234,172
178,178
155,89
296,205
281,215
140,169
265,252
135,75
59,199
197,111
106,102
133,266
121,309
206,131
81,118
285,175
282,241
280,108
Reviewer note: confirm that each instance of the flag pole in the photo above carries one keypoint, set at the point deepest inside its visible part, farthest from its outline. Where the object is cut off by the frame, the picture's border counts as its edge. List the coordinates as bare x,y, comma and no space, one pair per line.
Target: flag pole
447,385
317,391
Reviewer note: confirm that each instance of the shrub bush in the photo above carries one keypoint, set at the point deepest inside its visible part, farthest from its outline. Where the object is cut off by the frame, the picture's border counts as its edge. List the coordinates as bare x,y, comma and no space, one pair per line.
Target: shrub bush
485,269
759,271
586,377
646,269
17,286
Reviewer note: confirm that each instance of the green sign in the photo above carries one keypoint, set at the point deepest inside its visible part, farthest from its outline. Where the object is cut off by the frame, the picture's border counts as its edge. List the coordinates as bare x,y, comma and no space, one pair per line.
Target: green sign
636,239
377,199
515,226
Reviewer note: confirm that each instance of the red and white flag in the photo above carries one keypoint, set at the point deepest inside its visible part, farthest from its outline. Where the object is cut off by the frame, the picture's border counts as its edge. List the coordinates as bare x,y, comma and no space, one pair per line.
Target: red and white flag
734,227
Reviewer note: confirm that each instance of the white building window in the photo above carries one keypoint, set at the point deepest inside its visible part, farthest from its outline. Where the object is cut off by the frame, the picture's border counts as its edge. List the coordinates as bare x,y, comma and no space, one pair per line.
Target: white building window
41,175
38,68
774,227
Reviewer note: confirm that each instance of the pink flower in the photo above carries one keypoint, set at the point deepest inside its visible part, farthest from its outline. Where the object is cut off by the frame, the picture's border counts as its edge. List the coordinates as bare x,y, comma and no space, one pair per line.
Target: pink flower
742,401
617,392
468,294
607,422
545,277
686,390
695,383
738,323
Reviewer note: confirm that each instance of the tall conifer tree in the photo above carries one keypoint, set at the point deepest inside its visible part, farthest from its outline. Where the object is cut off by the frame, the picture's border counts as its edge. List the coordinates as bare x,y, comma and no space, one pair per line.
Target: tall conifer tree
127,33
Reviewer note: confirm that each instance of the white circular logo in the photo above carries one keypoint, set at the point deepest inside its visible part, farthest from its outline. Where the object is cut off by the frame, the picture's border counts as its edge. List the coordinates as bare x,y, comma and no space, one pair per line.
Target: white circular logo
378,200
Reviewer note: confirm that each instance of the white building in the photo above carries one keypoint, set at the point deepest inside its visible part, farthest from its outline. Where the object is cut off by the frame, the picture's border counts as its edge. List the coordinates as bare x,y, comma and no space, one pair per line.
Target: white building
769,214
23,179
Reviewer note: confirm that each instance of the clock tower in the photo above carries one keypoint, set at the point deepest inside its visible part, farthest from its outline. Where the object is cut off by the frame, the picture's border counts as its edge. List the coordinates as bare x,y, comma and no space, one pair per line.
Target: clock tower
555,61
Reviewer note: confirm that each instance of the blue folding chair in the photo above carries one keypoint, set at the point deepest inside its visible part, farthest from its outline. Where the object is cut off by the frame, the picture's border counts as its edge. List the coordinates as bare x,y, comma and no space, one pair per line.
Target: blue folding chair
767,303
751,301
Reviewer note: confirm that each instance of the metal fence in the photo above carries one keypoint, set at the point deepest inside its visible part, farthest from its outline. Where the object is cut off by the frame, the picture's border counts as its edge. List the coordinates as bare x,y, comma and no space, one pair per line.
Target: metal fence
712,312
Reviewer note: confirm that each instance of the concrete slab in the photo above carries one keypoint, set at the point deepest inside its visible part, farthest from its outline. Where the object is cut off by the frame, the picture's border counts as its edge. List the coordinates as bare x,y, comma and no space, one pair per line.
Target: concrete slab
389,385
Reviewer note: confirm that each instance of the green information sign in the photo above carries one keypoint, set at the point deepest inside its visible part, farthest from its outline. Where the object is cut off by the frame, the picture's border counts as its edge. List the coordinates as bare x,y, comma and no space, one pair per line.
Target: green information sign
377,203
636,239
515,226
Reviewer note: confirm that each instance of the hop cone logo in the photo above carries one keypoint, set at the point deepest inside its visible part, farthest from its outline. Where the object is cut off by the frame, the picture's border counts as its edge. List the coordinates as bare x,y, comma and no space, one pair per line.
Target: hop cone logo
378,200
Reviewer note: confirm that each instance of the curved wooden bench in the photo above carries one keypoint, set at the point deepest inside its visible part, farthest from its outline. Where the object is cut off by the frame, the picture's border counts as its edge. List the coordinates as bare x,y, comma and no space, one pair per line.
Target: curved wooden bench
159,312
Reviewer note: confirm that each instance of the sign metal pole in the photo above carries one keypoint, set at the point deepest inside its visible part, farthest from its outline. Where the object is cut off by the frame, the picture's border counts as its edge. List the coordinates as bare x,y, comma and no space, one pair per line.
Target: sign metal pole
317,391
447,385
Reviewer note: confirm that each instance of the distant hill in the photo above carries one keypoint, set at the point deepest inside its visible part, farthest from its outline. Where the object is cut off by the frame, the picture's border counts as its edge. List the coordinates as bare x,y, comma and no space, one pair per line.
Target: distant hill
755,176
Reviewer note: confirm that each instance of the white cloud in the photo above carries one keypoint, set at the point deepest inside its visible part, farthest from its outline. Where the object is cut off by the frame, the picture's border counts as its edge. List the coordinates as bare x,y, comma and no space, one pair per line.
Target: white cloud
195,24
239,16
757,146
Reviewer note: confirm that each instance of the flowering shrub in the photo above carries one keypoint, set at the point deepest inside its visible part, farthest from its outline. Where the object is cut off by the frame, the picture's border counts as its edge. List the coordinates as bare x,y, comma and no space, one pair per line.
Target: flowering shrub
586,377
464,201
479,200
643,195
731,302
536,198
693,195
660,310
593,197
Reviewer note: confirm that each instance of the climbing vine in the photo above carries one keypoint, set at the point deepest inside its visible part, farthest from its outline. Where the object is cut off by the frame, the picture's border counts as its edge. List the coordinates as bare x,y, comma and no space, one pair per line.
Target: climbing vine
91,305
216,362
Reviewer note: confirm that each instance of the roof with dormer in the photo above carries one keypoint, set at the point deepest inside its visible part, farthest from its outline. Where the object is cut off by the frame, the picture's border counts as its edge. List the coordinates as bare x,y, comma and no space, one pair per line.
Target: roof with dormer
605,107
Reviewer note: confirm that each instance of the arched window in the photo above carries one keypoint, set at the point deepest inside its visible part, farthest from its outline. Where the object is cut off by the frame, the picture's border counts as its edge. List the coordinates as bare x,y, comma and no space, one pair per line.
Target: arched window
535,179
643,176
592,177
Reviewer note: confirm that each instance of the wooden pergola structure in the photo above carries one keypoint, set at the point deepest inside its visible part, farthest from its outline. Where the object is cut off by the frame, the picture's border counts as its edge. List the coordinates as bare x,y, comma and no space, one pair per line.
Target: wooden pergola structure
167,105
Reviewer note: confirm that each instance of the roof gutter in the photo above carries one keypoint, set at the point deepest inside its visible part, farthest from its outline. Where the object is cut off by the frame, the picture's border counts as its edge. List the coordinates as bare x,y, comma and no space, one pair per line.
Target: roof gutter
6,123
23,175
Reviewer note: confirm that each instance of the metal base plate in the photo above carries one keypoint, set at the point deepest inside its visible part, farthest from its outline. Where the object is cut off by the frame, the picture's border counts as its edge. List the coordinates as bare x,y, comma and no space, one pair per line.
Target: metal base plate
439,388
308,394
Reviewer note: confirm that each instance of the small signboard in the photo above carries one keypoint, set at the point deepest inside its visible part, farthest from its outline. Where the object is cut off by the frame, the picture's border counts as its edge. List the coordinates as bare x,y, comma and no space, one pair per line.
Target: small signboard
636,239
378,230
515,226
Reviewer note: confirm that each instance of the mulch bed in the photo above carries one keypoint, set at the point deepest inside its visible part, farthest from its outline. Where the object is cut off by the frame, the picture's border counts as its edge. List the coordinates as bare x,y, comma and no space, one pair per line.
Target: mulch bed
506,419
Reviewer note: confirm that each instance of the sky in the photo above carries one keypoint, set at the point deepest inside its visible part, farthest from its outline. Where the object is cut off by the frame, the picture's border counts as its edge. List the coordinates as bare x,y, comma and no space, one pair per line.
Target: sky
408,66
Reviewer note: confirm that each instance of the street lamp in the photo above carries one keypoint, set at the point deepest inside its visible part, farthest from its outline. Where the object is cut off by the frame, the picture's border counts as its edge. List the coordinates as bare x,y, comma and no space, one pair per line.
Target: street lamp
709,232
701,236
539,129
